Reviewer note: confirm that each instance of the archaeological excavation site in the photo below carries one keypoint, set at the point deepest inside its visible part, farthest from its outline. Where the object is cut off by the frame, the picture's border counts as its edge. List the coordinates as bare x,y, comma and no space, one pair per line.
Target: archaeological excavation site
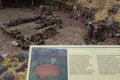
52,22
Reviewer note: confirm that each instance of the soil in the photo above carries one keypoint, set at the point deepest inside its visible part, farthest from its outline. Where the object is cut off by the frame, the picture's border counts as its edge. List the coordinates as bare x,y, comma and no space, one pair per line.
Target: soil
71,34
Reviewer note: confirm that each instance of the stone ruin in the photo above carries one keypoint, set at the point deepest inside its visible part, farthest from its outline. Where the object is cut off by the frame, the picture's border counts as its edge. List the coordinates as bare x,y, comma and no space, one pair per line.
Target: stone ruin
103,29
98,31
46,26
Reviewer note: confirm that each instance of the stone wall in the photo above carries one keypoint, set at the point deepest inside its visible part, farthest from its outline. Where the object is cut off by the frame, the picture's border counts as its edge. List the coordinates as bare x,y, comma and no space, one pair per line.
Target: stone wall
102,7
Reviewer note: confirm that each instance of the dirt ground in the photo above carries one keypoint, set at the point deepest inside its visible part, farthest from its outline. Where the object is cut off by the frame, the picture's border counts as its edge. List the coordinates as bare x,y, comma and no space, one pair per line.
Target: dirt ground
71,34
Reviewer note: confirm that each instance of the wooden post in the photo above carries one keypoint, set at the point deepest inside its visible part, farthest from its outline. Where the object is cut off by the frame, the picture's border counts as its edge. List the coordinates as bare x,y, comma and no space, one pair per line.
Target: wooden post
32,3
18,3
1,5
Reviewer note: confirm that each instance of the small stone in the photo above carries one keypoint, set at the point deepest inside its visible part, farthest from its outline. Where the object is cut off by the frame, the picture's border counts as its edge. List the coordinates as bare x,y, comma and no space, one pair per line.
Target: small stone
22,55
12,60
22,67
3,69
4,55
118,35
14,43
114,8
1,59
12,56
100,43
7,76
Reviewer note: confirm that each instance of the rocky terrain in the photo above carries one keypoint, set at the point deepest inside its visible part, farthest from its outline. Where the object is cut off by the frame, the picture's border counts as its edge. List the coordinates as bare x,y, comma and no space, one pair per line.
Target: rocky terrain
76,17
13,66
